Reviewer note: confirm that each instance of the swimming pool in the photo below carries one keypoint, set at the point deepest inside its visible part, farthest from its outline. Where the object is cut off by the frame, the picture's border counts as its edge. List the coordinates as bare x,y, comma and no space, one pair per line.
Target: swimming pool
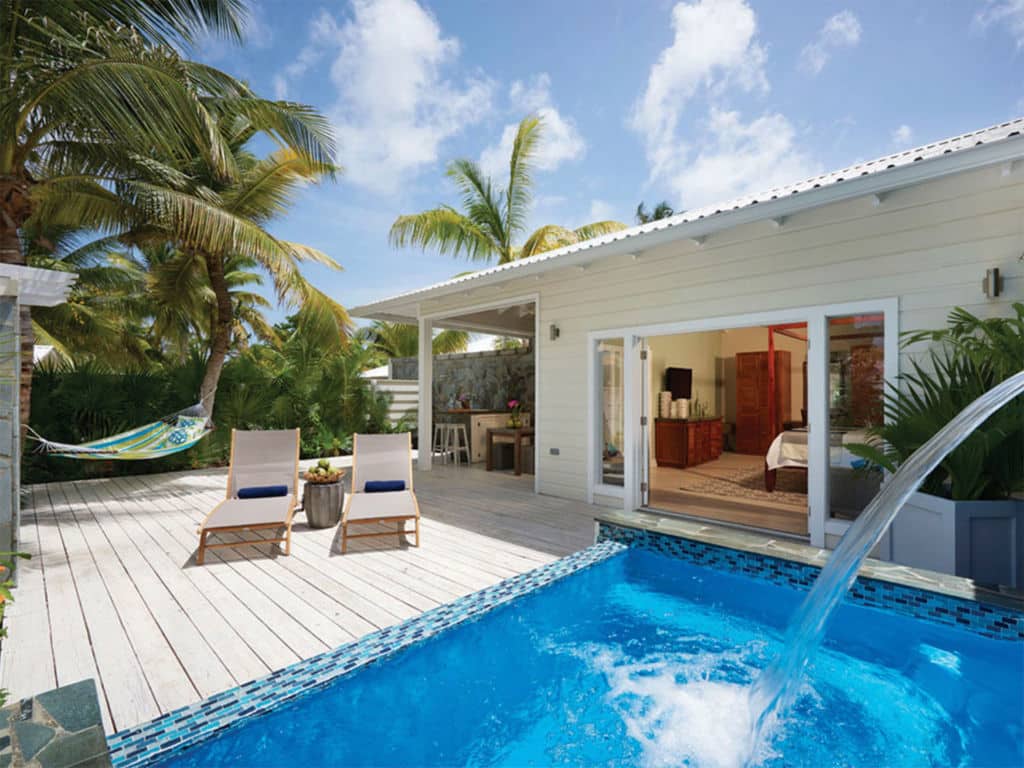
641,658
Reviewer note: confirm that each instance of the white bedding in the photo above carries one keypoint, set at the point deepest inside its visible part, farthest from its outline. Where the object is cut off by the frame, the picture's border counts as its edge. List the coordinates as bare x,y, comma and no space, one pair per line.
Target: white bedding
789,448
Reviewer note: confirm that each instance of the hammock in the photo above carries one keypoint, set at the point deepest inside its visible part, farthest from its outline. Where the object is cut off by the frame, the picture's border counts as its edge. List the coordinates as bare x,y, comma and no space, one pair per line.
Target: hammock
169,435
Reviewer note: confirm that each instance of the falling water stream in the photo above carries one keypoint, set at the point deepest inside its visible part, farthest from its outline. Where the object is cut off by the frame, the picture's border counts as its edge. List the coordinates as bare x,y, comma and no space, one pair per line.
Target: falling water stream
775,689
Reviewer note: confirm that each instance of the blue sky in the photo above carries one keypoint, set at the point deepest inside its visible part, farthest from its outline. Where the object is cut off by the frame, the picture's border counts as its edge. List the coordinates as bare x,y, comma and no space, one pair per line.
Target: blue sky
691,102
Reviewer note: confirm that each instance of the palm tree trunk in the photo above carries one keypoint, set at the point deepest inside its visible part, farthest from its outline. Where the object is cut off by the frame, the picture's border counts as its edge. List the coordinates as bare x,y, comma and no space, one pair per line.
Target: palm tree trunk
10,253
220,338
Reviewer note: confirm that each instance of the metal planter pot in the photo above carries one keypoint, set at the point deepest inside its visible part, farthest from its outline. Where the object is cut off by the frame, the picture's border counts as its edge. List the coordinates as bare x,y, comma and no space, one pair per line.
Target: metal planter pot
322,503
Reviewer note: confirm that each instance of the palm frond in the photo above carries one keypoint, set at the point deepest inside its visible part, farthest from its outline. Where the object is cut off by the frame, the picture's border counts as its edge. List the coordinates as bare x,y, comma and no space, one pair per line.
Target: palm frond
444,229
518,194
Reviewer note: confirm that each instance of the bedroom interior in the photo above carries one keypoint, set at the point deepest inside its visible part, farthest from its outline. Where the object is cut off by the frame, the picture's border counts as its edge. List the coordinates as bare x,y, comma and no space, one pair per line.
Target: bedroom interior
729,421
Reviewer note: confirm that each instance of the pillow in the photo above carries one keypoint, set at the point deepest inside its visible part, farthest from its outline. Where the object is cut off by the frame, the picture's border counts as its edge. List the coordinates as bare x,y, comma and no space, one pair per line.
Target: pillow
262,491
384,486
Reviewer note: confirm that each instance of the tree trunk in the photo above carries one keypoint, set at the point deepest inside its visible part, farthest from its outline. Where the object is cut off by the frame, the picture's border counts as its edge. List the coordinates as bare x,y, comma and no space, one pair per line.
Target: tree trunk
220,338
10,253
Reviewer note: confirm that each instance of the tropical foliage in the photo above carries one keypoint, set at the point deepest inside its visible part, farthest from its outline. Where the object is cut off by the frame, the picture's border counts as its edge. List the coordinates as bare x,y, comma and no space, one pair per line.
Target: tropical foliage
298,383
402,340
492,217
661,211
968,357
105,128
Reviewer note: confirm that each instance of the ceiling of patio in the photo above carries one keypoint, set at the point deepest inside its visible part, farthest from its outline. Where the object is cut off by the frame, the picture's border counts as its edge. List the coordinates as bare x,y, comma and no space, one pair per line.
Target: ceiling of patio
511,320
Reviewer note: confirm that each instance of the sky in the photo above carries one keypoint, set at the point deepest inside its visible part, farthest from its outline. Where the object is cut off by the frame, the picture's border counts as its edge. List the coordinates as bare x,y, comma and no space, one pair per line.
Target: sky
691,102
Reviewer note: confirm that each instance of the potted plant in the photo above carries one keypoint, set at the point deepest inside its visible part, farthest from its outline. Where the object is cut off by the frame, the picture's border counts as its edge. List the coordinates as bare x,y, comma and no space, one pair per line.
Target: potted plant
323,495
968,516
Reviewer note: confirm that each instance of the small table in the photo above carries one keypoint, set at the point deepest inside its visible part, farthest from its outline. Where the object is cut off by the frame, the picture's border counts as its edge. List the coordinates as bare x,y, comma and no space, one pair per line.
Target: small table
517,434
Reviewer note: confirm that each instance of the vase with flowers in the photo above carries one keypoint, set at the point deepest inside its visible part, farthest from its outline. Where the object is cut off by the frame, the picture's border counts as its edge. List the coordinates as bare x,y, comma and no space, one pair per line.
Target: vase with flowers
516,419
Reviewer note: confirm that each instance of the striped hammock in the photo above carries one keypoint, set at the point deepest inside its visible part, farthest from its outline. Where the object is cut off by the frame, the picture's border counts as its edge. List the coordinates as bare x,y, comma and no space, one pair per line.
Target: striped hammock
170,435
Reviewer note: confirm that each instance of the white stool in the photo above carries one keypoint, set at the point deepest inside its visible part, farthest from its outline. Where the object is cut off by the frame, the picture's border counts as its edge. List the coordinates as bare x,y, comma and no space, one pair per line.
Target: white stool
441,439
458,442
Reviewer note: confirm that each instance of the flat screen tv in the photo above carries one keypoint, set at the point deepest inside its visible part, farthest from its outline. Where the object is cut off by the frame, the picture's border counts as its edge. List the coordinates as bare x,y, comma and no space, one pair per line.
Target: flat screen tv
679,381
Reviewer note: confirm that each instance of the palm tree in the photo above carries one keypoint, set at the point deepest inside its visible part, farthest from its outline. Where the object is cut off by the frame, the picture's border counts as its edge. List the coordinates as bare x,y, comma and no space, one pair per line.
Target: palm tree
100,318
218,220
661,211
492,217
402,340
87,83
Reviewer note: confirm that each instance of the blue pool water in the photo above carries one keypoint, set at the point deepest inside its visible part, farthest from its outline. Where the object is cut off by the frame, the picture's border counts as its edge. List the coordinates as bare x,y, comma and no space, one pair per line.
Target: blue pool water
645,660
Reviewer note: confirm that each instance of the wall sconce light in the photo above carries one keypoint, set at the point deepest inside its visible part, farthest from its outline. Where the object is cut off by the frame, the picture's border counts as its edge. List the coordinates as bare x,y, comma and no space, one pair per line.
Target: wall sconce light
554,331
992,285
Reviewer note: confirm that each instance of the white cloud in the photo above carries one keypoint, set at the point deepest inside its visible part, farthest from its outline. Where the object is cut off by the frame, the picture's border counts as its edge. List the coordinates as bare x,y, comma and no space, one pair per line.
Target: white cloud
1004,12
903,135
840,31
560,141
601,210
738,158
715,47
396,101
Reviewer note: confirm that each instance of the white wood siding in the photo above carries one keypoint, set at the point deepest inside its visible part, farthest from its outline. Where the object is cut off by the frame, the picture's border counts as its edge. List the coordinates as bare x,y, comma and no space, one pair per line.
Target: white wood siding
405,398
929,245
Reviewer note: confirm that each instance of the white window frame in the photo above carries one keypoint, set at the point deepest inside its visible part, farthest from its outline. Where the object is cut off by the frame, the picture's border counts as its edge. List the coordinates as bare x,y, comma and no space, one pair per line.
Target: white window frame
816,317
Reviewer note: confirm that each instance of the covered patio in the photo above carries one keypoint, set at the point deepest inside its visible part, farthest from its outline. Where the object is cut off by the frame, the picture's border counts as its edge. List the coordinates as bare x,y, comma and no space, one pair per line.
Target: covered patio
112,591
513,317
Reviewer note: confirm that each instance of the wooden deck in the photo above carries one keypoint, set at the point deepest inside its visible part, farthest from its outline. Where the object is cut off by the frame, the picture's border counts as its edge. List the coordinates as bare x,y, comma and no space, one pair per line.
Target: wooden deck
112,591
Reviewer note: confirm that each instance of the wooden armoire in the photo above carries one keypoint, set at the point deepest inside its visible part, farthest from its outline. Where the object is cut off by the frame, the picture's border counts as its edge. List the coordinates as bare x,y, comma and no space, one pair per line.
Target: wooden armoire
755,425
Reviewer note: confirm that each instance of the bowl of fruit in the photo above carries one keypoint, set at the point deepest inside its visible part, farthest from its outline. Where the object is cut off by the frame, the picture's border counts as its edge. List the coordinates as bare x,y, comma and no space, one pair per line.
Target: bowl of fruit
324,494
322,472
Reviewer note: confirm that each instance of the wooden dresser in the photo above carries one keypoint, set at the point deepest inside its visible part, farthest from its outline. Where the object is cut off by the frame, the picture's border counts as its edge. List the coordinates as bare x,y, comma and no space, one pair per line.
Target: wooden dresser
685,443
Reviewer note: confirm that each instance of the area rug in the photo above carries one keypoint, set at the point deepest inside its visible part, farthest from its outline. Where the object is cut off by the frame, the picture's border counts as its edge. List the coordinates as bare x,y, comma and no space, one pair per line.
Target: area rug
747,483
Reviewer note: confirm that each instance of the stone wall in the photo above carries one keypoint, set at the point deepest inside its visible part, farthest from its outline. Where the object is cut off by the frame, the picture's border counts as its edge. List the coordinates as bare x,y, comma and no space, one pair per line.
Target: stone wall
489,378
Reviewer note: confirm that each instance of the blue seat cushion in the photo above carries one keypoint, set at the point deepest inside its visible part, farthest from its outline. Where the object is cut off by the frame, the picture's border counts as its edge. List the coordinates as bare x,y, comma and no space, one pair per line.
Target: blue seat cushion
384,486
262,491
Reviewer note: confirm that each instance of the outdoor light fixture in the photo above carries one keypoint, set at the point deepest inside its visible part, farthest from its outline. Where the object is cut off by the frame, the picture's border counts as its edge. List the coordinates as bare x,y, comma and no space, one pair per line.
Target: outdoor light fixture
992,285
555,333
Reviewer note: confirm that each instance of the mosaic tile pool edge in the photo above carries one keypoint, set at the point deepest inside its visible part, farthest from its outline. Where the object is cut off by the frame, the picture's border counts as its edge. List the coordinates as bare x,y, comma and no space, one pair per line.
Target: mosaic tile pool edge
984,619
172,732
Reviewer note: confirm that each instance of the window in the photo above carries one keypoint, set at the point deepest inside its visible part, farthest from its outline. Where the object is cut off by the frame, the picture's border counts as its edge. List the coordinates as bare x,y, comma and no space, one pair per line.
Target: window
610,410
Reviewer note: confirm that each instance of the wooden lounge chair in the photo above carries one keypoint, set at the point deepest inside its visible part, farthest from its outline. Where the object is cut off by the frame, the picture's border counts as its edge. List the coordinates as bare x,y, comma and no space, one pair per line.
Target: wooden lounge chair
259,459
380,459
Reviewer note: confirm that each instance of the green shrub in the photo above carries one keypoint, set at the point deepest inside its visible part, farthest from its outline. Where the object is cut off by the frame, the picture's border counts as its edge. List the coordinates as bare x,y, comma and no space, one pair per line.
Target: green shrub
969,357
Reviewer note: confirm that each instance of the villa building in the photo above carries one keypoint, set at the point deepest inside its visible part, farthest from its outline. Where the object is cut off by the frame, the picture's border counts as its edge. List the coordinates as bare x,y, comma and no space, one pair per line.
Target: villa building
685,365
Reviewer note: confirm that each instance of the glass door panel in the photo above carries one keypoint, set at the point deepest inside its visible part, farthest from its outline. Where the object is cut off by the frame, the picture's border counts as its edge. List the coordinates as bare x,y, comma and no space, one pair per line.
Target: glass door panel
856,385
611,408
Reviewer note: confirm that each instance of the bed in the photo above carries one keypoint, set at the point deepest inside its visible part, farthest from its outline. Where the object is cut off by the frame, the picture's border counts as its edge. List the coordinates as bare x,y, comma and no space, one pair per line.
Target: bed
789,451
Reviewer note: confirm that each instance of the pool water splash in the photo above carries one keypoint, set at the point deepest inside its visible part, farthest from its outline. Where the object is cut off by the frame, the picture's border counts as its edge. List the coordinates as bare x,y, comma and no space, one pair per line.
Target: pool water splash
682,709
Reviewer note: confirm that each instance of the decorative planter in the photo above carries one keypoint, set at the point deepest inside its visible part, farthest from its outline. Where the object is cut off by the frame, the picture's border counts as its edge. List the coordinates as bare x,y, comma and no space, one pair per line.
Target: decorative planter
322,503
980,540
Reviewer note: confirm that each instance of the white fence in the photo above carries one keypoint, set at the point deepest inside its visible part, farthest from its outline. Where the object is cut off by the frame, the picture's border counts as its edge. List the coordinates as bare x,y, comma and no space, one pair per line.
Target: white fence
405,398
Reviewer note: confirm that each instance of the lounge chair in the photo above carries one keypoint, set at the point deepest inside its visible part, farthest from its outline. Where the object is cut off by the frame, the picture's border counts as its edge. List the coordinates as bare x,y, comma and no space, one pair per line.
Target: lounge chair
263,483
380,463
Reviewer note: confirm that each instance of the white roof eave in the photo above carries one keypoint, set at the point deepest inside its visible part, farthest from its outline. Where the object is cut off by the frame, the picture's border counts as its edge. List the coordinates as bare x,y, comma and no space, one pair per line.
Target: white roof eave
36,287
1004,144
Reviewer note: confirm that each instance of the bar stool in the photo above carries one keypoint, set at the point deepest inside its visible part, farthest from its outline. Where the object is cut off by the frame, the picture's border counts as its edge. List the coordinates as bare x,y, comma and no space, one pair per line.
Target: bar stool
441,439
458,442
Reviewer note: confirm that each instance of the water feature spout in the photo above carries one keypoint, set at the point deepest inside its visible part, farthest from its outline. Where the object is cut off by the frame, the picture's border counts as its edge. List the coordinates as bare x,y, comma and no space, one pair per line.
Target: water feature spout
775,689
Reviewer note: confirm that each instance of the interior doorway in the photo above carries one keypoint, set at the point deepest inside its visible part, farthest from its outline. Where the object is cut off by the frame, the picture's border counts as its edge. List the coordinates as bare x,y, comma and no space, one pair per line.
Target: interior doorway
720,402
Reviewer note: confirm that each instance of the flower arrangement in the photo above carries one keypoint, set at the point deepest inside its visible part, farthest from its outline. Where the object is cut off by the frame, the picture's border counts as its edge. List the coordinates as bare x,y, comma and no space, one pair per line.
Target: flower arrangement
516,406
323,473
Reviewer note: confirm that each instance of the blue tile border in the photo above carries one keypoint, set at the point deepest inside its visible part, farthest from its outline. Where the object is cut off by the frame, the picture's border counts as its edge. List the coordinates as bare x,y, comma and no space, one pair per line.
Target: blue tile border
174,731
981,618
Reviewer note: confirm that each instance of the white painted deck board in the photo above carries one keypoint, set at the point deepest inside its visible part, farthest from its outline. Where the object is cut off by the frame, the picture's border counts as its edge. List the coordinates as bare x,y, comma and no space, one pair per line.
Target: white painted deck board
113,592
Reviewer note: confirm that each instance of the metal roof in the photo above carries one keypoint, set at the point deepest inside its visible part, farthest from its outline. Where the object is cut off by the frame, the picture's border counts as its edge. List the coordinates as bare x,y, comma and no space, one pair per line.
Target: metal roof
1002,143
